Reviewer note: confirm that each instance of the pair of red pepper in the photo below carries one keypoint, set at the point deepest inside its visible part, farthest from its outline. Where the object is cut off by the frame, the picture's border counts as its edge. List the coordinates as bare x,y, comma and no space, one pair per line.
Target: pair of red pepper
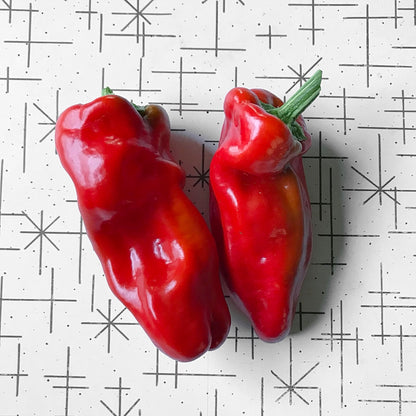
157,252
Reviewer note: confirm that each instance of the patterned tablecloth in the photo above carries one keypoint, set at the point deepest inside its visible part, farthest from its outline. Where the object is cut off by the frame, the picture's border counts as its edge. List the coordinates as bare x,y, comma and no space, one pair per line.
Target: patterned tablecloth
68,347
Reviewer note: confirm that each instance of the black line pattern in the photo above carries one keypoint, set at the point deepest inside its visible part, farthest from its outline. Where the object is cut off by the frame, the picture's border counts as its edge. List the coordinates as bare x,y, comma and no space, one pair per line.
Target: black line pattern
368,64
66,339
291,388
340,338
314,6
110,323
65,382
51,300
29,41
396,398
17,374
136,19
120,389
235,335
176,374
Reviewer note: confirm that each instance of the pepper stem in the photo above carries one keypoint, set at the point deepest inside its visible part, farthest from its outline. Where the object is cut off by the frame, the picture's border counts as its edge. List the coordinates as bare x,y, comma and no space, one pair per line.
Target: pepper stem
106,91
296,104
140,109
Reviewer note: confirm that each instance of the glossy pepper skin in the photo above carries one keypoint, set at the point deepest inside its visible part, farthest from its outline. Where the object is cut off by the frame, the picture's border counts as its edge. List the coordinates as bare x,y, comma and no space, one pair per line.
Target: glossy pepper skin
156,250
259,207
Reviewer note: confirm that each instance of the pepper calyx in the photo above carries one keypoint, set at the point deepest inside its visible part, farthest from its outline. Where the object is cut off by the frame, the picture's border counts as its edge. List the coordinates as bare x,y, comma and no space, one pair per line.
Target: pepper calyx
139,108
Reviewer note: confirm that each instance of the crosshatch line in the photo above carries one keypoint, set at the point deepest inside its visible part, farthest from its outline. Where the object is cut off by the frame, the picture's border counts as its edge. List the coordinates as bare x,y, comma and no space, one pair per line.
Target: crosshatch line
10,9
215,411
92,293
313,5
270,36
9,78
122,393
89,12
403,111
1,186
29,41
52,300
223,3
320,157
411,9
401,336
399,401
24,147
382,306
341,337
300,312
181,72
367,65
176,374
332,234
68,377
216,48
344,99
139,89
18,374
80,234
236,337
2,335
143,36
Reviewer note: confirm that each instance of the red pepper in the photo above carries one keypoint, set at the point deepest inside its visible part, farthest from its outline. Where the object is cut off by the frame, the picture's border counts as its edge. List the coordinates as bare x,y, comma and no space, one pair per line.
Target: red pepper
259,207
156,250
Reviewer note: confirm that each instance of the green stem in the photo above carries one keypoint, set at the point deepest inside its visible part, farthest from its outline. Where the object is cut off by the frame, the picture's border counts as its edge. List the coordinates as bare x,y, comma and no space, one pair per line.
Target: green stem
301,100
140,109
106,91
296,104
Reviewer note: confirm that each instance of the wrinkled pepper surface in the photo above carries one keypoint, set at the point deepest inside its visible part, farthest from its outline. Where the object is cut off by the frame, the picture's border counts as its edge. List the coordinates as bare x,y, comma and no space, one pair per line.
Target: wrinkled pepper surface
259,207
156,250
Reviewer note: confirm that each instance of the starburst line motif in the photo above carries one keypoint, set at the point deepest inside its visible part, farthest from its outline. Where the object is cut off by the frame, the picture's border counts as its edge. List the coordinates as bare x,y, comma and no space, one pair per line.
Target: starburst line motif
379,187
292,387
50,120
109,323
41,232
202,174
138,13
300,77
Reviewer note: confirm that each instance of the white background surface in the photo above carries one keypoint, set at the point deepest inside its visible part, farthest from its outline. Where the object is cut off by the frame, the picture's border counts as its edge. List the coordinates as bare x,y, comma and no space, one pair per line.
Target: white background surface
68,347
